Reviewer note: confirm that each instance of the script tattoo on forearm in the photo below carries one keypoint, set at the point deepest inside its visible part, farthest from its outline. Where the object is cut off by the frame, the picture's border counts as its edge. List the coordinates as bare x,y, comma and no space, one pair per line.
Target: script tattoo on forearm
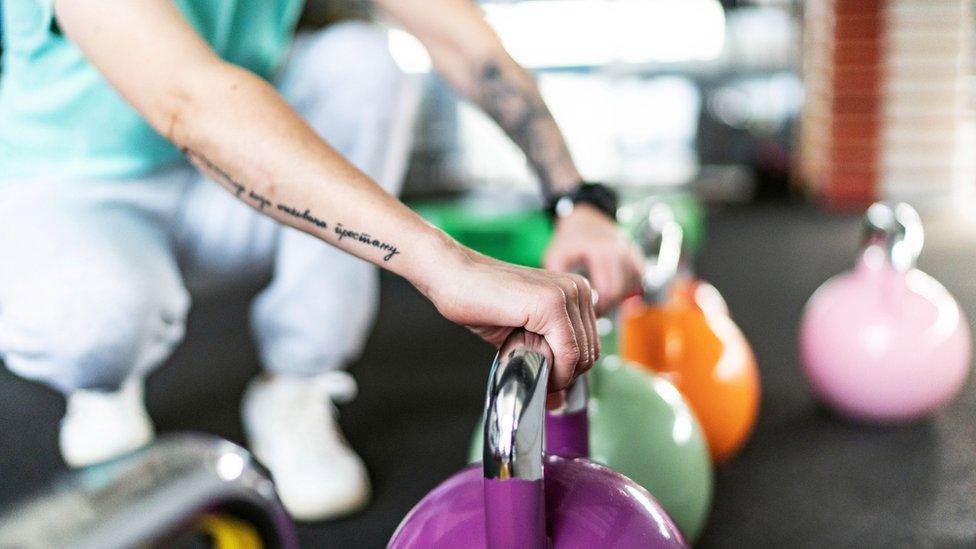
261,202
521,112
305,214
366,239
225,179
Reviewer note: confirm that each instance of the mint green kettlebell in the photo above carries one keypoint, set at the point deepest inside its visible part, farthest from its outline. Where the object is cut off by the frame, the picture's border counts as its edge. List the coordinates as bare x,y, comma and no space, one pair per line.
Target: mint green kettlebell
641,426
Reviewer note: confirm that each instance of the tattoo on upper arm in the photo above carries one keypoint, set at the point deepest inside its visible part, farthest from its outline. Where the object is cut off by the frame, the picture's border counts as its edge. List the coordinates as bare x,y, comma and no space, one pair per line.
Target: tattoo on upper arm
521,112
261,202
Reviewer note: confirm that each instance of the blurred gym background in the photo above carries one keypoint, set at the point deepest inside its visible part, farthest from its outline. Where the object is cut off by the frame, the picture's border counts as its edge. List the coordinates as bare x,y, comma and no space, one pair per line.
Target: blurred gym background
782,120
709,97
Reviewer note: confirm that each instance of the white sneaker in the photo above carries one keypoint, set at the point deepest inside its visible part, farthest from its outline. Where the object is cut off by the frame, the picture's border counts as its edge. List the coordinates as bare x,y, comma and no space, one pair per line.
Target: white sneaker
290,424
99,426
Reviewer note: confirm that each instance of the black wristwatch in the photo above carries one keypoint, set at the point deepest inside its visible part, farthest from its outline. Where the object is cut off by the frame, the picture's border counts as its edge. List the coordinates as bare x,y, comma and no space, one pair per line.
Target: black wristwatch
595,194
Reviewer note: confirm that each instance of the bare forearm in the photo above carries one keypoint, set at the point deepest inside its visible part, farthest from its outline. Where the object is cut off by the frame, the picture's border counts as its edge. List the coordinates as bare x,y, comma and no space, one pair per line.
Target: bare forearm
237,128
468,53
508,93
242,133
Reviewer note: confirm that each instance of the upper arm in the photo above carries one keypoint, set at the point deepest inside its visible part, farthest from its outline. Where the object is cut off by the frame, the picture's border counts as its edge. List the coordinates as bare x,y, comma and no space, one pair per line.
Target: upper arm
144,48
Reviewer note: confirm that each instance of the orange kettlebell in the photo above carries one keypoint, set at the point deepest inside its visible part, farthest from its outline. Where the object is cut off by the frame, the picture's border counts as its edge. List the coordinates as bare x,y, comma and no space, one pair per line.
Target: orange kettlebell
699,293
680,328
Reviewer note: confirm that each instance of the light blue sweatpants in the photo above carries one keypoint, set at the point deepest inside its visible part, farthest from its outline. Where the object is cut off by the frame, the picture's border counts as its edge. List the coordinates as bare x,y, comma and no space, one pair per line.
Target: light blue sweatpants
94,274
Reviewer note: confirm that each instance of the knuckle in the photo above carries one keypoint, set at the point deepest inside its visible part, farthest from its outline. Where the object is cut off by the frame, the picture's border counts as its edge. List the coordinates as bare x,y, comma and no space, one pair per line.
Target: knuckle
581,283
584,358
555,296
572,289
571,352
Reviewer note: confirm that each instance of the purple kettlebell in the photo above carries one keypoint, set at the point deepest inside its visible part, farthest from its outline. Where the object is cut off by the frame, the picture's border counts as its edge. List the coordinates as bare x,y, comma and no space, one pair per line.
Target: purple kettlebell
519,499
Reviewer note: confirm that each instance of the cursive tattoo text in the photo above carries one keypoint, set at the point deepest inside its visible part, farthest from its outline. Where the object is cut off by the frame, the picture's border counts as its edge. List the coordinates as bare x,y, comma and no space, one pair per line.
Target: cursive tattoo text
262,202
306,215
366,239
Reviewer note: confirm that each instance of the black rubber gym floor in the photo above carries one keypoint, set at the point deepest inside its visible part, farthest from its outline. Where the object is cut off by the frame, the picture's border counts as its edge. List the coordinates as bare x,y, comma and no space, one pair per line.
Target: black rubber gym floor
806,479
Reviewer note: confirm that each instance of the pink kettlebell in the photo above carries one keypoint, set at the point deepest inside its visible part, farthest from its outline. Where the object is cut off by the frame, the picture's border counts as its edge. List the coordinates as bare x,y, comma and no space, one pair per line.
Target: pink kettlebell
885,342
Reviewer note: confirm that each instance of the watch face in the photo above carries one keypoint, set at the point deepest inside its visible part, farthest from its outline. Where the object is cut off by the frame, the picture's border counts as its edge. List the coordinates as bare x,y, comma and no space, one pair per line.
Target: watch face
564,206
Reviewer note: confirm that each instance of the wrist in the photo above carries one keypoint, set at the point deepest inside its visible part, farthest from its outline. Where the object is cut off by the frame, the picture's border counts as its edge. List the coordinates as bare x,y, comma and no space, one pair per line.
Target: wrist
445,257
595,196
562,181
582,211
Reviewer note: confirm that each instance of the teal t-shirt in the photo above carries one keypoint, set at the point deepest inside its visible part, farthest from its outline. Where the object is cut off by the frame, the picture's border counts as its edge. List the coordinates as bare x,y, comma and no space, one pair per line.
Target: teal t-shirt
60,119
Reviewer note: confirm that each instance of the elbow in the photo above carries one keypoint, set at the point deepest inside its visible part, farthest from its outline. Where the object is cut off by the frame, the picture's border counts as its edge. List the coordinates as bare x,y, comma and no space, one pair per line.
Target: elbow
465,64
172,114
485,49
470,43
180,108
172,110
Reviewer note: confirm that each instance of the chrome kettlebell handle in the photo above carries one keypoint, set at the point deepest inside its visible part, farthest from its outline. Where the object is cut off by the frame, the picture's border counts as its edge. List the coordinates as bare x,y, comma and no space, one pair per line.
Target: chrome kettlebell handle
661,239
897,229
515,407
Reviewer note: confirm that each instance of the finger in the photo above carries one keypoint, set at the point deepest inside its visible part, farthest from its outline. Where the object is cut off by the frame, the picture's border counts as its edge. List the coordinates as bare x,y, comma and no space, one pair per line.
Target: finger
590,300
579,326
557,329
588,316
602,279
588,324
618,281
635,271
